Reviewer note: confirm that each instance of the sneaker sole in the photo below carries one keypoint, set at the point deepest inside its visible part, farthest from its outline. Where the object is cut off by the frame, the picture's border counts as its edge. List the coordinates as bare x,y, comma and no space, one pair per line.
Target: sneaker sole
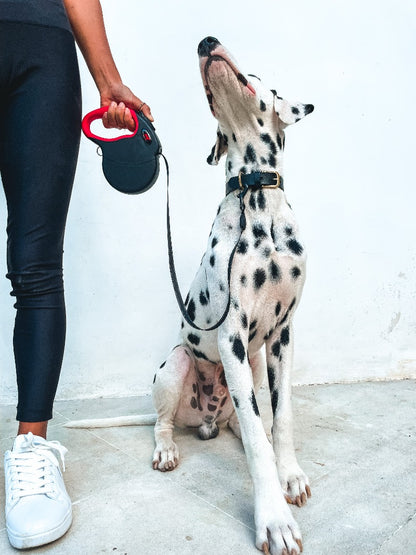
27,542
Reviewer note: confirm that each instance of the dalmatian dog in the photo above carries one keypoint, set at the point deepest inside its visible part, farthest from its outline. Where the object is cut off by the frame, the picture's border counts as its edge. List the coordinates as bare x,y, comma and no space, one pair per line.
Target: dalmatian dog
212,377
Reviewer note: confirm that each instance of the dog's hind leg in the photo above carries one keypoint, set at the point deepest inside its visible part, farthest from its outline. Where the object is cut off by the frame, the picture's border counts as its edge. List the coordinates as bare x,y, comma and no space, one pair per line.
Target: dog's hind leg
279,353
167,390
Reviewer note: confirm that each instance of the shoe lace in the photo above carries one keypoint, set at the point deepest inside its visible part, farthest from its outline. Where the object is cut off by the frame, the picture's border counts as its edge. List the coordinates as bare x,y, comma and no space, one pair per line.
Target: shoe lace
31,471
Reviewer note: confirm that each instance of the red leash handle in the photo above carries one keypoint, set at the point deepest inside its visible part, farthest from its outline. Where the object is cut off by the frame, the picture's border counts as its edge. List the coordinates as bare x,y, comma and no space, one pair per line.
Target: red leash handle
98,114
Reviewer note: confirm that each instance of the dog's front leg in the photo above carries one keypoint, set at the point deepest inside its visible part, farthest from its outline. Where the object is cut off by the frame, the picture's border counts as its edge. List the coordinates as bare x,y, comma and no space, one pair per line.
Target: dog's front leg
276,530
279,353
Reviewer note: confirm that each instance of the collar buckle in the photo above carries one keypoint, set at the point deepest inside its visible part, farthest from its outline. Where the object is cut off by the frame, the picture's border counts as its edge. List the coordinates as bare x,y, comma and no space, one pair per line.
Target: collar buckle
273,185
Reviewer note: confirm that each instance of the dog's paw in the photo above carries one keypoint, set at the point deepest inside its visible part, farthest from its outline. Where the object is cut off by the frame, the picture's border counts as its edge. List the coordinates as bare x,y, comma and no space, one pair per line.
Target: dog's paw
295,484
277,532
165,456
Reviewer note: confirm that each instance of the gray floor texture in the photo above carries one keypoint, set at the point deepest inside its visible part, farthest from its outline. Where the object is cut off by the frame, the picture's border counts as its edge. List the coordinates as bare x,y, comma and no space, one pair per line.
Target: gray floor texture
356,442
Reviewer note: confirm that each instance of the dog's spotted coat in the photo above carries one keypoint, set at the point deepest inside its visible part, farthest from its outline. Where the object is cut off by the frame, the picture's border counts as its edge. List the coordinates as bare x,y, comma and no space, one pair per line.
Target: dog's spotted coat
212,377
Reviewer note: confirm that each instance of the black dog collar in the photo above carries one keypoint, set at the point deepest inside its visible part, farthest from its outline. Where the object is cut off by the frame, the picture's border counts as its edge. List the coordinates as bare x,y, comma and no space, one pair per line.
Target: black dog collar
254,180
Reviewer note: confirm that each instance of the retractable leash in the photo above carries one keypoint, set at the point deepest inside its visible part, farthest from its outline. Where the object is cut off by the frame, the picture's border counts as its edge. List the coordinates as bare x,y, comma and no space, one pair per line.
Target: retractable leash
131,165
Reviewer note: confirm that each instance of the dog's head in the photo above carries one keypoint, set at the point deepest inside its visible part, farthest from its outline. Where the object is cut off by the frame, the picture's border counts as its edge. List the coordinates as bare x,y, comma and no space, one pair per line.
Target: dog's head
251,117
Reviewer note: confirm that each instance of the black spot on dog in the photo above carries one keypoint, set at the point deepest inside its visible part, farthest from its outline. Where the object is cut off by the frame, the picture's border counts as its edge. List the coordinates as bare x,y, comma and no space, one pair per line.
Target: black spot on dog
258,231
254,404
273,233
221,287
260,122
242,246
215,399
182,324
194,403
271,377
261,200
236,403
208,389
295,110
162,365
259,278
244,322
253,324
275,398
274,270
225,139
212,260
250,155
295,246
285,336
272,160
191,310
279,141
200,354
234,138
187,299
288,230
252,335
238,349
243,280
223,402
194,388
203,298
214,242
276,348
154,378
267,252
194,339
265,137
252,201
222,379
201,376
212,408
262,106
277,309
230,166
295,272
263,160
268,334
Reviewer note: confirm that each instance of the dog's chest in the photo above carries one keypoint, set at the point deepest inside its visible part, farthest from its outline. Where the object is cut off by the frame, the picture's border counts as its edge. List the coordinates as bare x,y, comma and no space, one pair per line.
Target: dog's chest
267,273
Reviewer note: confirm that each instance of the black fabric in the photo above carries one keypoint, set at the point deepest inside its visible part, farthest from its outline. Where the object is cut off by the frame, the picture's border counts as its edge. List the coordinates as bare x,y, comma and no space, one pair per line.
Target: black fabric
50,13
40,115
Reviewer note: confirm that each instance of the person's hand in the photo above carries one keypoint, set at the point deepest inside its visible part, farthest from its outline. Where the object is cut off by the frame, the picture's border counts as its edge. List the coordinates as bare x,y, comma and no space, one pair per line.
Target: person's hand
119,99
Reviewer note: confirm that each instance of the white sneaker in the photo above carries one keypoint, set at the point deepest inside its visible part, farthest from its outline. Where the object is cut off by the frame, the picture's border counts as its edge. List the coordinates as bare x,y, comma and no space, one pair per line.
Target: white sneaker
38,508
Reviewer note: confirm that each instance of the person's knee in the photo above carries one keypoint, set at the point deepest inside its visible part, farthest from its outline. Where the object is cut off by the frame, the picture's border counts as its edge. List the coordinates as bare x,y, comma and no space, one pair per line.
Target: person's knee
40,288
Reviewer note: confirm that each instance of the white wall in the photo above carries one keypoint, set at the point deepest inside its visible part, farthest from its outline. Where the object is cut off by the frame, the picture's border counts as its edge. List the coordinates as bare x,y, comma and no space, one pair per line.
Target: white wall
349,176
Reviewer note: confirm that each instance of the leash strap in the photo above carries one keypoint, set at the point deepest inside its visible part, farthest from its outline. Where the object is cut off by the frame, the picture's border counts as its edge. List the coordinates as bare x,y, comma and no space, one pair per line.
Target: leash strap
172,270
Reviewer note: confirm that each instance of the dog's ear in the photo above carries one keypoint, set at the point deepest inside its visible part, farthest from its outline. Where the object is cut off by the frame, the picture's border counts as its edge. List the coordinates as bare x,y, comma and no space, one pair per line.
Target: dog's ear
289,113
220,148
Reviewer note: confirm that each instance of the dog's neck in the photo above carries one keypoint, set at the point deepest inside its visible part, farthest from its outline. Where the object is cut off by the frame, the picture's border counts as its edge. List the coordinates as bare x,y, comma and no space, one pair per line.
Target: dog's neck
265,154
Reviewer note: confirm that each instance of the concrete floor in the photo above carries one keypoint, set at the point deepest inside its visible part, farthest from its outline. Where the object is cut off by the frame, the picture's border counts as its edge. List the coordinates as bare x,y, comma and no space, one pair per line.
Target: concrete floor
356,442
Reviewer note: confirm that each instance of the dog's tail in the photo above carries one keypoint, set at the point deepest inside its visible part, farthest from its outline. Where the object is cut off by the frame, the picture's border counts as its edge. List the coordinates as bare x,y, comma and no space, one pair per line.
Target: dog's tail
133,420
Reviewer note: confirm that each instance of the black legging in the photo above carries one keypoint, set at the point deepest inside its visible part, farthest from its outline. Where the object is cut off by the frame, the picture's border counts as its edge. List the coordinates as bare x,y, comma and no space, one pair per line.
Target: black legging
40,113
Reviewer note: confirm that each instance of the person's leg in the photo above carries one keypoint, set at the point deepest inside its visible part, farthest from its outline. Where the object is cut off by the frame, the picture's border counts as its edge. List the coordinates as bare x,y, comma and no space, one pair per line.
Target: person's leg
40,116
40,129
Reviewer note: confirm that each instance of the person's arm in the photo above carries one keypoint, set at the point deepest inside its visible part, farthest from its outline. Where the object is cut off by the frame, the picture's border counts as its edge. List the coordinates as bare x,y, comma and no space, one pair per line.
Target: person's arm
87,23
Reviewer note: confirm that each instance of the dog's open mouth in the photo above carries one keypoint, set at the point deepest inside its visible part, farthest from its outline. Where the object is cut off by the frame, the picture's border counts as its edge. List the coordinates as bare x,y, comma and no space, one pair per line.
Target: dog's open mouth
219,55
